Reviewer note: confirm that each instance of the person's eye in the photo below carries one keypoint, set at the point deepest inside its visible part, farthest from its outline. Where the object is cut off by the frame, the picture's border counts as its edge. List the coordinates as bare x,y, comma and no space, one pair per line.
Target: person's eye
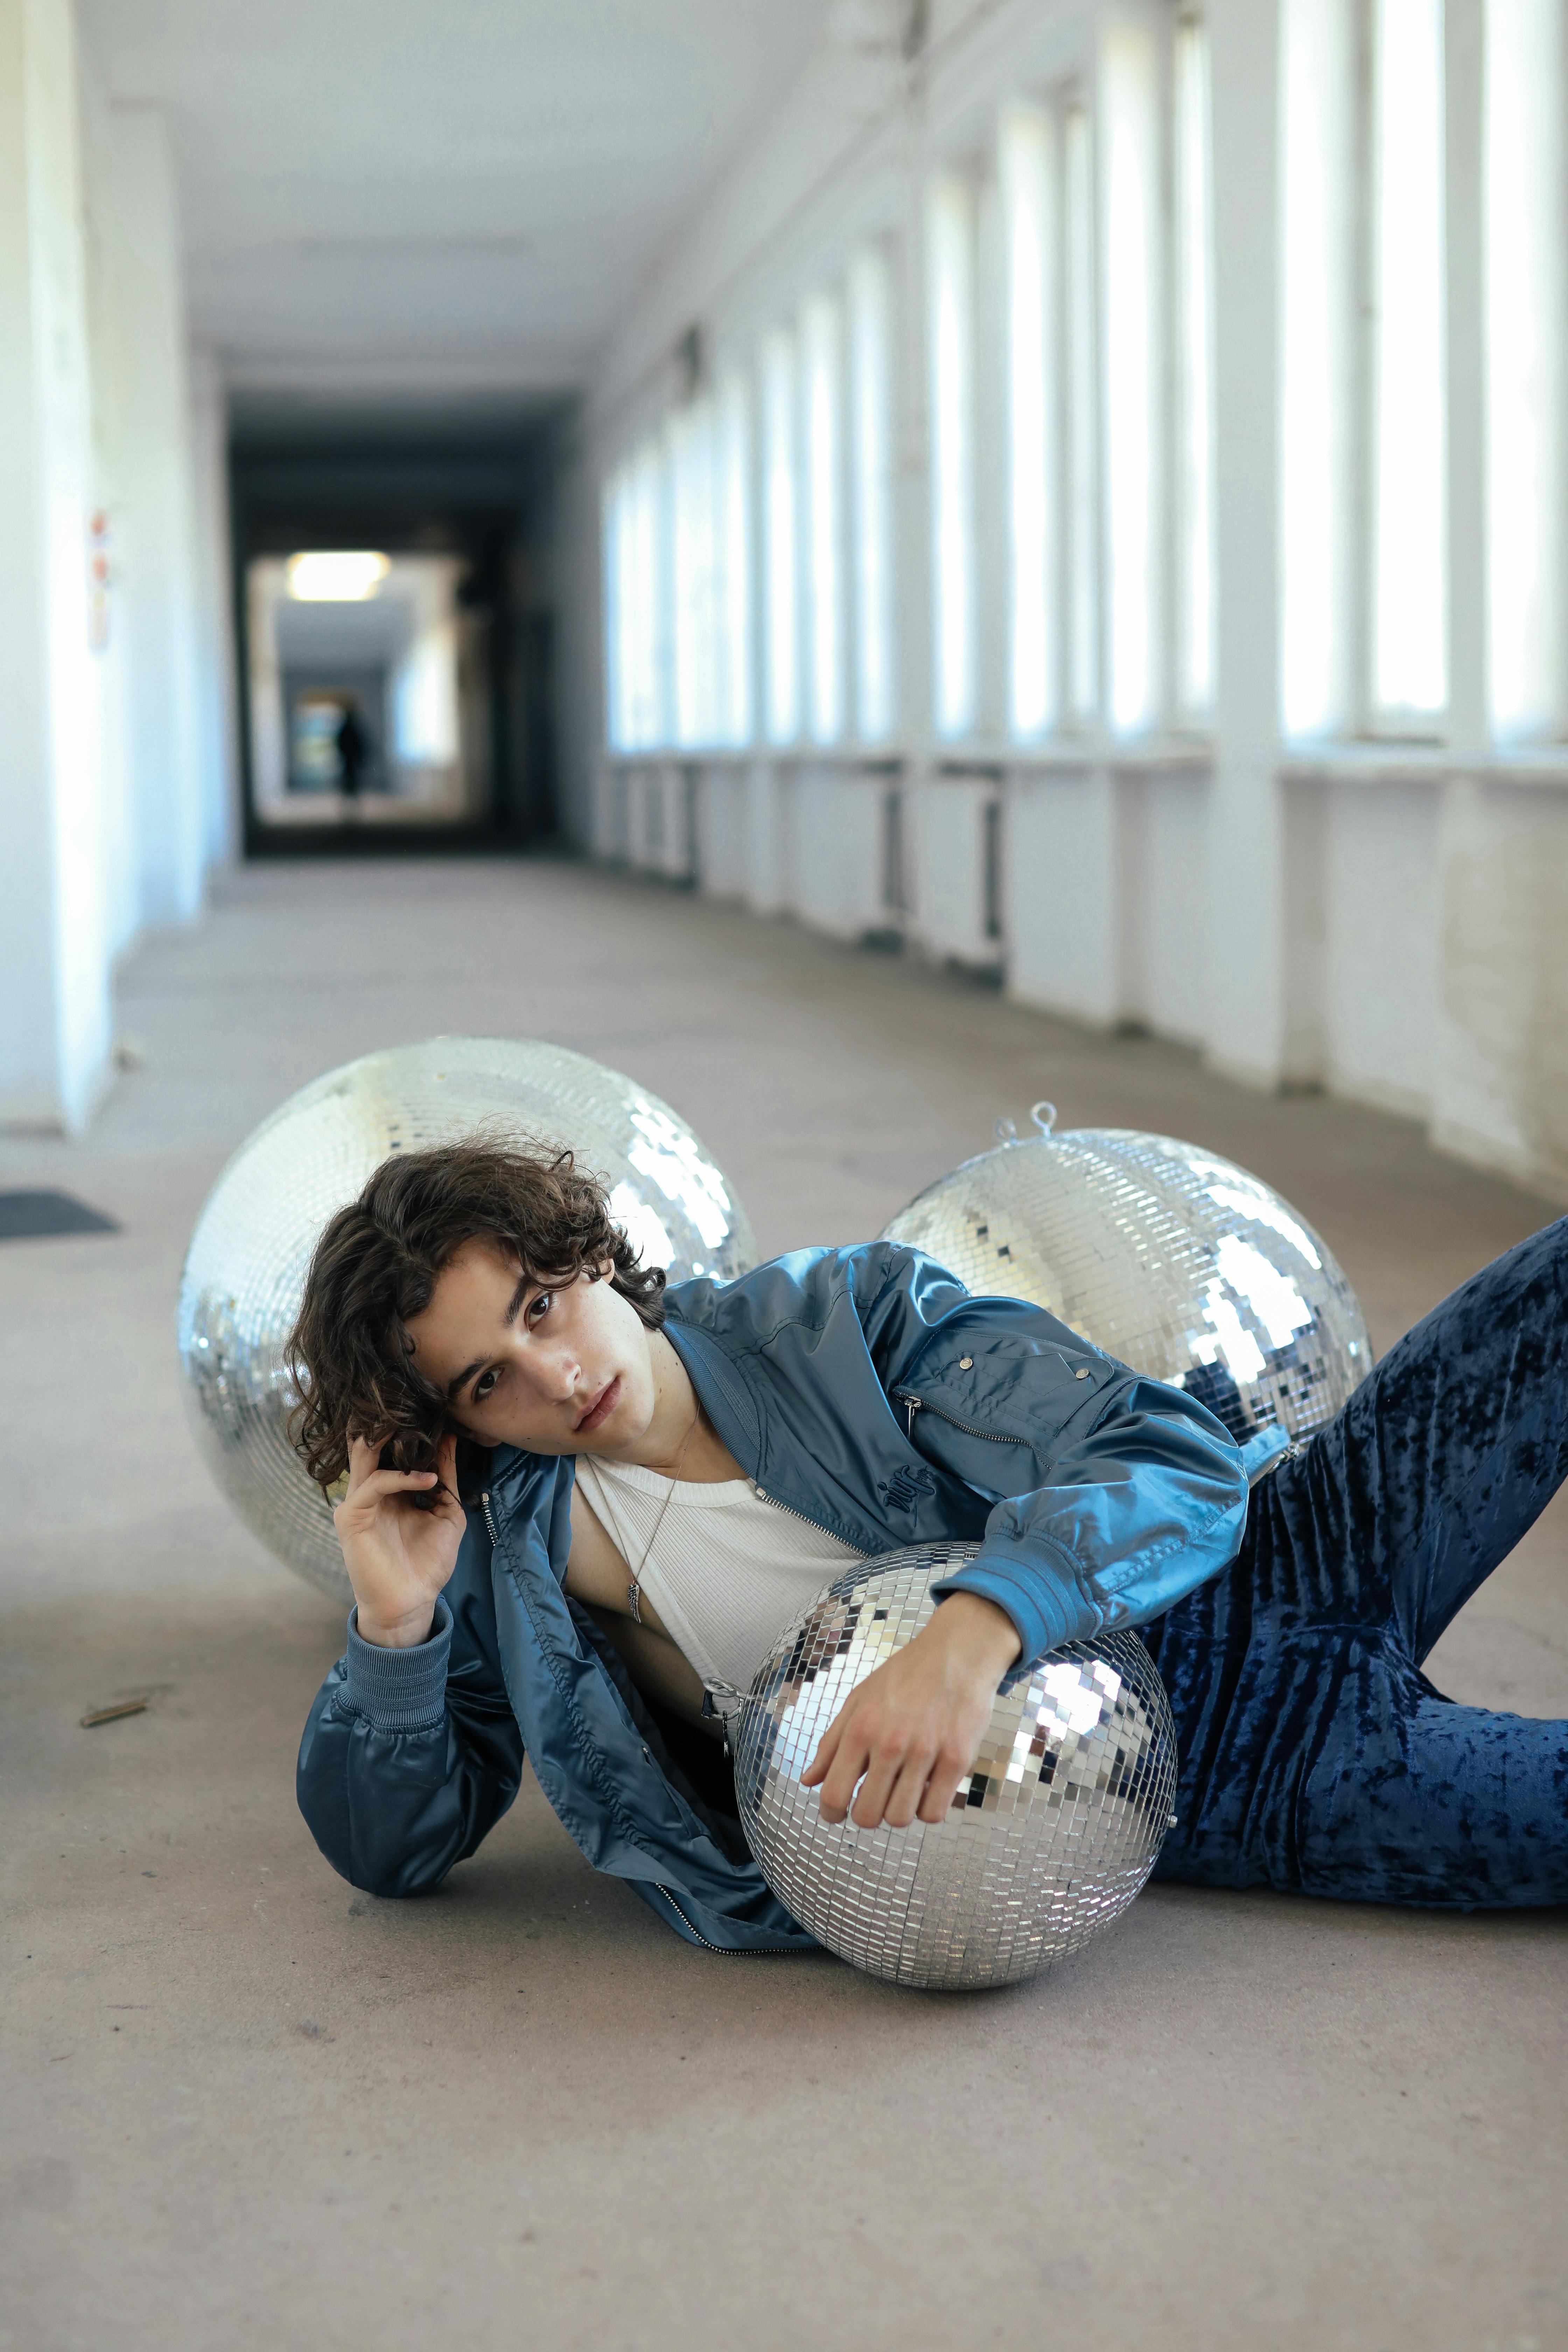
540,1307
484,1386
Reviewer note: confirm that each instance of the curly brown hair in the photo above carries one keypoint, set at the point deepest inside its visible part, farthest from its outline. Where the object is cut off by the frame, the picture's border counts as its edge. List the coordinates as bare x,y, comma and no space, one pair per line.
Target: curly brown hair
376,1267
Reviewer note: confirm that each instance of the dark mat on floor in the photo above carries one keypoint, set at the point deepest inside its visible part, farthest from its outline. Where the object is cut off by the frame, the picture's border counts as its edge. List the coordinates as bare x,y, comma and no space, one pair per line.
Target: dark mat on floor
27,1216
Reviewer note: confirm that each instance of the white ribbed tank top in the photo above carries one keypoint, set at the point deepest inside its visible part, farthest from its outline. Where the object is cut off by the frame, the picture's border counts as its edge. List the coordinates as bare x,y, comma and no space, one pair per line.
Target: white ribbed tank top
729,1570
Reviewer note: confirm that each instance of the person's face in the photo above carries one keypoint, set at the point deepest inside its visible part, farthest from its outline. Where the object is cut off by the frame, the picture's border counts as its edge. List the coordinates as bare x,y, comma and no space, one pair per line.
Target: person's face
553,1371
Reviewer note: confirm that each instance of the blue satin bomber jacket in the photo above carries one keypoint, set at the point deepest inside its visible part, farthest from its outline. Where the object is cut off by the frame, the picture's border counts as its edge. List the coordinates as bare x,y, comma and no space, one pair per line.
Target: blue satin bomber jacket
867,1389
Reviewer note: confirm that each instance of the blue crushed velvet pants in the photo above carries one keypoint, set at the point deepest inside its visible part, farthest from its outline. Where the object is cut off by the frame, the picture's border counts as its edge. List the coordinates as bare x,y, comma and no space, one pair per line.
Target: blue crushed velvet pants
1315,1756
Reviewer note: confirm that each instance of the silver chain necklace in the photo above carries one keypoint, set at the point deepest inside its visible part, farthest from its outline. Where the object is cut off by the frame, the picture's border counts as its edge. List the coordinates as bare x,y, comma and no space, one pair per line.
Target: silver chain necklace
634,1589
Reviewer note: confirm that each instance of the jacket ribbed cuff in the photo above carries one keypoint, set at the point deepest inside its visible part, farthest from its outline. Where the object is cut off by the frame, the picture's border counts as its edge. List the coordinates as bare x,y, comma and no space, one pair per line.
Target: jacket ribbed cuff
1046,1612
401,1690
1262,1452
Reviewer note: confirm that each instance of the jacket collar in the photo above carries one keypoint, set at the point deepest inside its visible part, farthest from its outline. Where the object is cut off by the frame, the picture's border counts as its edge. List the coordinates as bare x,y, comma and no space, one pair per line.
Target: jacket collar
726,1400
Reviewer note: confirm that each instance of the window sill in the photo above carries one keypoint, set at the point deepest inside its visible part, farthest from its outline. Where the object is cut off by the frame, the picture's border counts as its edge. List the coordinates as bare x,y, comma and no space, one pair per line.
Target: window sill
1542,767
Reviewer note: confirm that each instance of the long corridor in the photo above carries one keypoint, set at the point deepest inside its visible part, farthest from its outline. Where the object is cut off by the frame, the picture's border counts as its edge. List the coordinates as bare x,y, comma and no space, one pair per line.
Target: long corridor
250,2106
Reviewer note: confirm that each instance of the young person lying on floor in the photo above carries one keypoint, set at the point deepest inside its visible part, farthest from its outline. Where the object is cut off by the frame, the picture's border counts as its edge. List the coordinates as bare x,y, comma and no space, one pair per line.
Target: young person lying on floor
631,1491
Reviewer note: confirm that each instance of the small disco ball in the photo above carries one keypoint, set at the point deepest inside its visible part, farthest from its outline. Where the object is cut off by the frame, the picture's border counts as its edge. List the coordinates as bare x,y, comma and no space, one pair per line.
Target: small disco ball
244,1271
1049,1837
1176,1263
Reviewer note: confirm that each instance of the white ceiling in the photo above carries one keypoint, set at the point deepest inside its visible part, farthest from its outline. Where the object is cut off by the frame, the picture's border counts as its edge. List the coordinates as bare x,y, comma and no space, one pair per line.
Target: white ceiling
437,196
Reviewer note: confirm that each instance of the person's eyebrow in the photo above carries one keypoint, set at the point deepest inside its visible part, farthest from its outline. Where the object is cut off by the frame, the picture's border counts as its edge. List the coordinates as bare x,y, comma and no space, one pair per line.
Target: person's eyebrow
525,1283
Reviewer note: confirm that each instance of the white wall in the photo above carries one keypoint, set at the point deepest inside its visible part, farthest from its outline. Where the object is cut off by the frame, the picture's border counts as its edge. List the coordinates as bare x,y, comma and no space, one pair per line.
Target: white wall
116,787
1502,1028
1380,967
217,714
1061,892
55,1015
148,489
1377,907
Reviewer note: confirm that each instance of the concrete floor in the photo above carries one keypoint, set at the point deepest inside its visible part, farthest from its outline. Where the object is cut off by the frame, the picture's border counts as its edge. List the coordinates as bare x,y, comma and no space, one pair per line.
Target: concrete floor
244,2105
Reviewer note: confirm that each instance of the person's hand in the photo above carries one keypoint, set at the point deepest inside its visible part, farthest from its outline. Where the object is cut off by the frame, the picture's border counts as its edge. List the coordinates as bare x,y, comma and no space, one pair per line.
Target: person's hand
398,1556
913,1728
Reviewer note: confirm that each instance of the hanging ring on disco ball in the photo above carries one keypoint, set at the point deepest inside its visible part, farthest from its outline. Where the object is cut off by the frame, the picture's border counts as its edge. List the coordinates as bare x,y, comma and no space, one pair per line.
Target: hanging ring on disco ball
244,1270
1048,1838
1177,1263
1044,1115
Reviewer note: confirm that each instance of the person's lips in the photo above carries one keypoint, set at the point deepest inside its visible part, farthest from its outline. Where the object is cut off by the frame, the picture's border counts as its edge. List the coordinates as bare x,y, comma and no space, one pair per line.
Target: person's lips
604,1404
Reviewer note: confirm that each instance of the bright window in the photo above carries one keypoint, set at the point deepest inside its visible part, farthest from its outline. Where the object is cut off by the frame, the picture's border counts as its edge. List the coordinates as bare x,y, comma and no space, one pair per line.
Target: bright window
1082,383
1410,670
732,683
1318,436
871,430
694,570
1526,75
822,373
1131,295
635,596
950,250
612,515
781,538
1194,372
1026,162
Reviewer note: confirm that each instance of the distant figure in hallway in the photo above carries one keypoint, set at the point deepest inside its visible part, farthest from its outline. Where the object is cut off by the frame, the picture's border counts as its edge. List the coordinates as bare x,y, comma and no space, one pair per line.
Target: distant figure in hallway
353,751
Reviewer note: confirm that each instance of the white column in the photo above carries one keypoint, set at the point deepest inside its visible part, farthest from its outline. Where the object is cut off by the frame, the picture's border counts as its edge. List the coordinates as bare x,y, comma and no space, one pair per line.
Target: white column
1462,813
914,606
55,1010
217,699
1246,878
990,483
147,446
1502,850
950,248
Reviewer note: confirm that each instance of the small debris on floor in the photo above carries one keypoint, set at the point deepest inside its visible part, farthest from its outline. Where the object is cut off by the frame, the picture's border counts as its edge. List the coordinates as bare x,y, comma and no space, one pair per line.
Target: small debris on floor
112,1713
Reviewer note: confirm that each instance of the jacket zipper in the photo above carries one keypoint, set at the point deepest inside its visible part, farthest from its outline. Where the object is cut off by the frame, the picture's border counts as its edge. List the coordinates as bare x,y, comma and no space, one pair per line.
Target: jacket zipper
913,1404
725,1951
790,1512
485,1507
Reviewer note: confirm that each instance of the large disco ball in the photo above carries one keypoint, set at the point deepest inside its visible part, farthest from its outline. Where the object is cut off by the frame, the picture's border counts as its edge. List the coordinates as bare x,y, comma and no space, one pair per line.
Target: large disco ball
244,1270
1049,1837
1174,1261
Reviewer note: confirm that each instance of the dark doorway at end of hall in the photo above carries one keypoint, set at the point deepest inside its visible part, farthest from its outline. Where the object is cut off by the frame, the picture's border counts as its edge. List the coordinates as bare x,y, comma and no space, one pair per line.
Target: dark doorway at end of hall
394,583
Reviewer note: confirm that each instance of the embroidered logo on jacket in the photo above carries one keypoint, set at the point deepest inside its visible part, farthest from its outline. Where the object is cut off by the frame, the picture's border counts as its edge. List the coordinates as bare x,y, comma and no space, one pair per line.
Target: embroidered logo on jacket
903,1490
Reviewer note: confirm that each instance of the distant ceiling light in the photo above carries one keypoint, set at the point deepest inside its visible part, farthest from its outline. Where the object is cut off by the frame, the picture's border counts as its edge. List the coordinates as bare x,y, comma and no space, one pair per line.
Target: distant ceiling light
336,575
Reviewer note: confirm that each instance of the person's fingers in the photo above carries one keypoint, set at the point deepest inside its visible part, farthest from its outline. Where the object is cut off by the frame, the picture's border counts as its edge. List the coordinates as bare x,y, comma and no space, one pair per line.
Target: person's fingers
372,1491
849,1763
941,1786
883,1770
362,1459
826,1748
905,1796
447,1512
